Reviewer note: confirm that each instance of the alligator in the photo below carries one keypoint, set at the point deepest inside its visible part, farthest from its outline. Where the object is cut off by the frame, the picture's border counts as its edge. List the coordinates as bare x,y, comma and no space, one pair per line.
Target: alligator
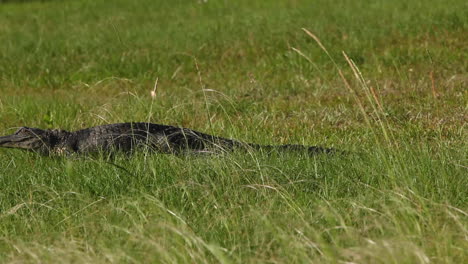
129,137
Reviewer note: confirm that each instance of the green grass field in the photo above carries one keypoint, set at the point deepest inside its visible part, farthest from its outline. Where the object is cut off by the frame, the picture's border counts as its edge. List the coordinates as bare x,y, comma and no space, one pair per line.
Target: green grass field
244,70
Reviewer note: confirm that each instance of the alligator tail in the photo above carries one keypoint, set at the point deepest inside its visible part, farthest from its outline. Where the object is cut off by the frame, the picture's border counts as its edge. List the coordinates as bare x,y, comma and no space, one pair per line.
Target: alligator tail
310,150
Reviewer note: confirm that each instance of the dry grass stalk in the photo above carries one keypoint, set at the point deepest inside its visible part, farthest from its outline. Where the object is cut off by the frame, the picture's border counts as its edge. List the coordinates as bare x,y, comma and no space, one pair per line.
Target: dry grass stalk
434,92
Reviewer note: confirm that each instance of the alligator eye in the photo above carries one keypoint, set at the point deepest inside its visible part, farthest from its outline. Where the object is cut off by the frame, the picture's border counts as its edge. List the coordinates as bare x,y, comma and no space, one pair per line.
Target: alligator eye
22,130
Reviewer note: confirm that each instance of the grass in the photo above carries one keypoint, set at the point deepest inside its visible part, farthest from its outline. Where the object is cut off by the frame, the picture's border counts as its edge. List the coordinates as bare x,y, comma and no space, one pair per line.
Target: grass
244,70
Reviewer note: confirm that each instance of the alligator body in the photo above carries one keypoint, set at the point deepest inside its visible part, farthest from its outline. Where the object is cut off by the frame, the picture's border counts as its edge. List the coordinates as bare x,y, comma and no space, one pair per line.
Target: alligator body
129,137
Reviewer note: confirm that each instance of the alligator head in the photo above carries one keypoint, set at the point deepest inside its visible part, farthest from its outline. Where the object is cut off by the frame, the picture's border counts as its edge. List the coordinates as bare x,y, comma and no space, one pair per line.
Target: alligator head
33,139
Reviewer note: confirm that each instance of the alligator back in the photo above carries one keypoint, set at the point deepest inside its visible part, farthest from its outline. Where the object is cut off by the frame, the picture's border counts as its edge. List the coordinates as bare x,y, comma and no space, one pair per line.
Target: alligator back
160,138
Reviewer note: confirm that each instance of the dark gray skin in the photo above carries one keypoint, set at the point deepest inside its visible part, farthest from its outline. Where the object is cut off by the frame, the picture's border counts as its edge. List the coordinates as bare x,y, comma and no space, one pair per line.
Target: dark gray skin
128,137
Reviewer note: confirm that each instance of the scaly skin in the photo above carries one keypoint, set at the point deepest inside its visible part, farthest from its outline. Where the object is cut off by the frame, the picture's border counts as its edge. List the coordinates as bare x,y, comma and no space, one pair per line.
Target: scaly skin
129,137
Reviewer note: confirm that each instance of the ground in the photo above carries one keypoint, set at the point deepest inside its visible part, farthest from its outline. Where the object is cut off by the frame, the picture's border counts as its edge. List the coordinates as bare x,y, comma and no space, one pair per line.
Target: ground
384,80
